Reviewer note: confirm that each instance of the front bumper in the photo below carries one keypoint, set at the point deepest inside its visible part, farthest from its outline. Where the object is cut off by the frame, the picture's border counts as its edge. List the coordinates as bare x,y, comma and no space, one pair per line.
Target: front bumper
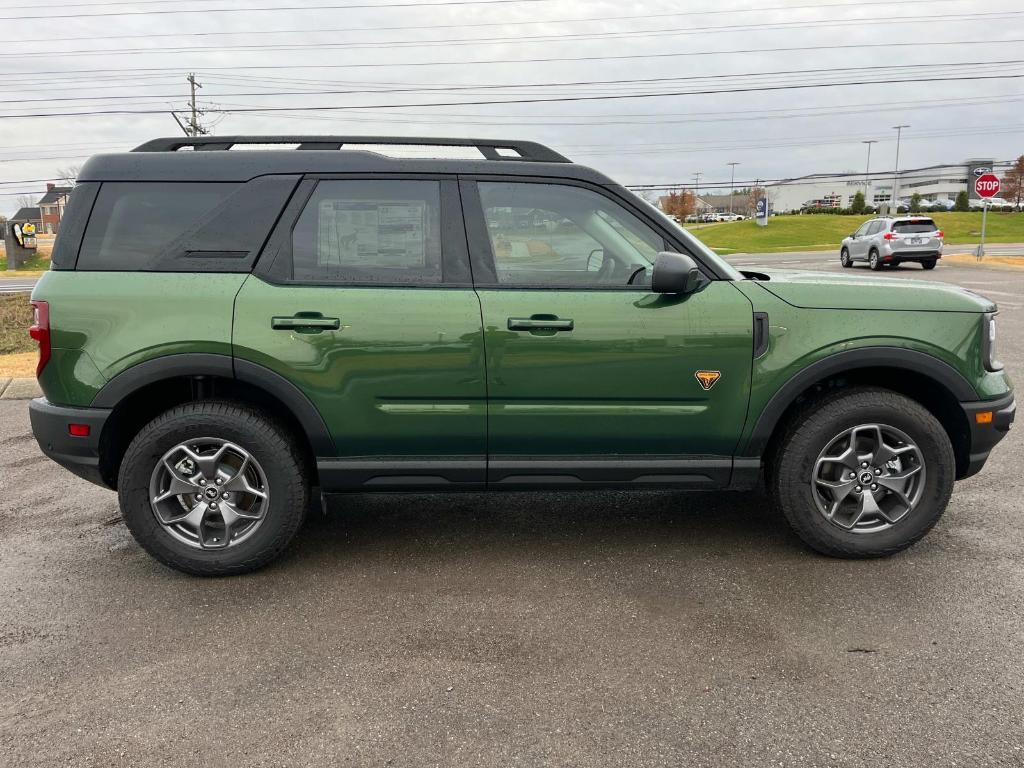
985,434
80,455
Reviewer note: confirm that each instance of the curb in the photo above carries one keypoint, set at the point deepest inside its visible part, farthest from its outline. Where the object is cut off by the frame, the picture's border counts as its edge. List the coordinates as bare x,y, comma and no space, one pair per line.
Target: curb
19,389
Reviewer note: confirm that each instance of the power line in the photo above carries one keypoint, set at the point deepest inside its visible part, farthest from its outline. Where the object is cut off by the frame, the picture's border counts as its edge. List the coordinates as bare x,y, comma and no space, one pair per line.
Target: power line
542,60
577,83
163,12
787,25
646,16
538,100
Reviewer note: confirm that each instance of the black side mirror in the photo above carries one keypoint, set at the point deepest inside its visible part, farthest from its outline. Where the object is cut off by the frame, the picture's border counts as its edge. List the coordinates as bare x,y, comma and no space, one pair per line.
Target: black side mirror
677,273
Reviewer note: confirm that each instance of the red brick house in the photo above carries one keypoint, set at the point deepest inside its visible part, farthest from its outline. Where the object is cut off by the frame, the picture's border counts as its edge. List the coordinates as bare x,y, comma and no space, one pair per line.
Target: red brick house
51,208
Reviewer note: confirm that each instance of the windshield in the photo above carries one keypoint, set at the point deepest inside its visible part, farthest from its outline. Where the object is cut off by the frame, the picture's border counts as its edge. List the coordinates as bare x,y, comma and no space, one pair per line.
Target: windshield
695,245
916,226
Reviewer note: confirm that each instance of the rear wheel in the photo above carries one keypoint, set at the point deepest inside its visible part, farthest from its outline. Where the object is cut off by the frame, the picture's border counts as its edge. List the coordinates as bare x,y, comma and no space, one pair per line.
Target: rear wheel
213,488
929,264
863,473
844,258
873,261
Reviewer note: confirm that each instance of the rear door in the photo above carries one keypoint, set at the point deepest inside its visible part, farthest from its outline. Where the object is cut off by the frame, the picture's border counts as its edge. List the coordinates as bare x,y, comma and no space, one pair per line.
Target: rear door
593,378
363,300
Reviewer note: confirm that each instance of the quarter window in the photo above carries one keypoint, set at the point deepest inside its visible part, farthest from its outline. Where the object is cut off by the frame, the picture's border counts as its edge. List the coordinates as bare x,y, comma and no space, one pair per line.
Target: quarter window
561,235
134,225
362,231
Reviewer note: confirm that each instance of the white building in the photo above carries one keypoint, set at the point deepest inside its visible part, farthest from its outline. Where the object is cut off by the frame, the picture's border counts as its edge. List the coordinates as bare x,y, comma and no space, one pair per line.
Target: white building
938,183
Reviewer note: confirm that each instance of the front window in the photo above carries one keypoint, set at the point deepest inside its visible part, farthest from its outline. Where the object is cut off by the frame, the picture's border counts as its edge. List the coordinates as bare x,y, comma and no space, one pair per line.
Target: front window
561,235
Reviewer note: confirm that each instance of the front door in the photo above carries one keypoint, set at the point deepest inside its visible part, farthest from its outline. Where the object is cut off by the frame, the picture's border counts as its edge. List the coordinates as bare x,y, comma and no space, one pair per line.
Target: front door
363,301
591,377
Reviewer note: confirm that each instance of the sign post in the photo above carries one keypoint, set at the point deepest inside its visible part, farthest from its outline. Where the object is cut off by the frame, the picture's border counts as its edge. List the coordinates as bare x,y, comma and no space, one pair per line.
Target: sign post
761,212
987,185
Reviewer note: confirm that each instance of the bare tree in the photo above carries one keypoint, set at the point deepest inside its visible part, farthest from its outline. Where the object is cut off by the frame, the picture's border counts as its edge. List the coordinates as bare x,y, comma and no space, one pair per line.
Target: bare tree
25,201
69,174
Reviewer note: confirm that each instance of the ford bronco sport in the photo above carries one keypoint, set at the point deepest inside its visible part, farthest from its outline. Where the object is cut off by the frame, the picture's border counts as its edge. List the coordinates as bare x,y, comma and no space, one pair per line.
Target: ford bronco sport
223,332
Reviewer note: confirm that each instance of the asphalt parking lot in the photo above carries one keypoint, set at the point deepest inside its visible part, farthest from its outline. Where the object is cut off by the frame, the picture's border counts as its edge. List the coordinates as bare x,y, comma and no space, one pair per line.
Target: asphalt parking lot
601,629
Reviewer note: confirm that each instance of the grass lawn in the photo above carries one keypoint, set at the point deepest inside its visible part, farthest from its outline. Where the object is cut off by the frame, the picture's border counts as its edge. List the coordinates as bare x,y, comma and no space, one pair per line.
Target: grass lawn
18,353
825,232
38,263
15,318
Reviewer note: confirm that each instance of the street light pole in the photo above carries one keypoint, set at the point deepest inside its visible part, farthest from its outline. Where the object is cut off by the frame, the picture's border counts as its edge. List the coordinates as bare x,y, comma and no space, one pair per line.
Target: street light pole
732,183
896,173
867,169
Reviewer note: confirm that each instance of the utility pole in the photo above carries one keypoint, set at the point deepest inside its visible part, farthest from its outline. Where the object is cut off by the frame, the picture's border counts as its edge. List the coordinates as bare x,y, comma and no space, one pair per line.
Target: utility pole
194,128
732,183
867,170
696,188
896,173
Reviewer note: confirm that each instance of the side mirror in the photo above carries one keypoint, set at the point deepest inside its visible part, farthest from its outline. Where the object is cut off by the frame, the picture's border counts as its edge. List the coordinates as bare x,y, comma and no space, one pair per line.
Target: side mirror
677,273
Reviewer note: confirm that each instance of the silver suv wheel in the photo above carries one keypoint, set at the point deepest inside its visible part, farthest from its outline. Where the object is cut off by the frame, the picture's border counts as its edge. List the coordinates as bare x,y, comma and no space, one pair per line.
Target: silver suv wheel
209,493
868,478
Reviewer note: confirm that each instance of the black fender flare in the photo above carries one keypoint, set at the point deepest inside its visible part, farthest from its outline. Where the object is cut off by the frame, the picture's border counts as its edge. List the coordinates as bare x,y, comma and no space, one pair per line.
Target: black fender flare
852,360
208,364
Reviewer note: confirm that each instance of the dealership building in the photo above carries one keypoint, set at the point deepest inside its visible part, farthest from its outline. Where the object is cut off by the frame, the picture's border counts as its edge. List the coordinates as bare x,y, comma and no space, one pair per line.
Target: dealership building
940,183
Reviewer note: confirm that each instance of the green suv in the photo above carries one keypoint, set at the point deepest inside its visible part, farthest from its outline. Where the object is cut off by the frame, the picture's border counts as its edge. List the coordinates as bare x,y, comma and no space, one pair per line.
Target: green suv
224,334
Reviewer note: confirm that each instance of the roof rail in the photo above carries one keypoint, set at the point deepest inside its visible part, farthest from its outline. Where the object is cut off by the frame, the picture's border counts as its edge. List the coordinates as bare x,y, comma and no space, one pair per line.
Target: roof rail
489,148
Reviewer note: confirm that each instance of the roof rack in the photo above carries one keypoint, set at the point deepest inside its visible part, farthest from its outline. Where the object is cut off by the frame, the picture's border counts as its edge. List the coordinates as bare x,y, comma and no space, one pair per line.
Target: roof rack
491,149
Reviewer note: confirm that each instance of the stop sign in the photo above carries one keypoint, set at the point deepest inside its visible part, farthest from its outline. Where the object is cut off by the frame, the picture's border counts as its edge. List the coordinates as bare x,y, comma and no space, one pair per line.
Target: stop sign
987,185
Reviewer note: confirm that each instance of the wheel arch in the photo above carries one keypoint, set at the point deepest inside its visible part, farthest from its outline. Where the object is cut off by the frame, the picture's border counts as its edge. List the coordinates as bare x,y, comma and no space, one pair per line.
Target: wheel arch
141,392
921,377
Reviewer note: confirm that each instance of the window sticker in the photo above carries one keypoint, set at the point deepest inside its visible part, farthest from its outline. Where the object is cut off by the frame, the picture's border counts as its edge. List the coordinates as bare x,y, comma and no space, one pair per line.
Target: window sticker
383,233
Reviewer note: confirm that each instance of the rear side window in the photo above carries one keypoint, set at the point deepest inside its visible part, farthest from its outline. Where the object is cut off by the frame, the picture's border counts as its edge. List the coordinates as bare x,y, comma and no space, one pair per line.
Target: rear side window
877,227
917,226
363,231
181,226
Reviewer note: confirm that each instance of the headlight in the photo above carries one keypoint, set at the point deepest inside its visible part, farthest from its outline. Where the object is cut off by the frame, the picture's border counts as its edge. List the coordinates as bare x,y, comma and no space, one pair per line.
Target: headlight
988,343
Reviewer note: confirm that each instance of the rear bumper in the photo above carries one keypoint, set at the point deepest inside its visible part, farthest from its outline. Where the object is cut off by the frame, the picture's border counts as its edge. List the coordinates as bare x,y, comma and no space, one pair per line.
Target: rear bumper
888,254
984,436
80,455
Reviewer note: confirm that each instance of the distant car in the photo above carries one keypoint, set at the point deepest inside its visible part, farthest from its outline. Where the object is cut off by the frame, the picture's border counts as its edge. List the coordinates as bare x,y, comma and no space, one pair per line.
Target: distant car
891,241
730,217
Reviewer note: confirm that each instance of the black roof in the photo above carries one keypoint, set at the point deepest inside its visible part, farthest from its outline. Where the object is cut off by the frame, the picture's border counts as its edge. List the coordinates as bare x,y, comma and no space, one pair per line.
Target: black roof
211,159
26,214
52,195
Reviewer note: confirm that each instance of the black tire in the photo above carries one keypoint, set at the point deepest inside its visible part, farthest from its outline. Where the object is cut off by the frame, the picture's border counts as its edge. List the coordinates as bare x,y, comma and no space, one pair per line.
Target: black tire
873,261
271,444
929,264
812,429
844,258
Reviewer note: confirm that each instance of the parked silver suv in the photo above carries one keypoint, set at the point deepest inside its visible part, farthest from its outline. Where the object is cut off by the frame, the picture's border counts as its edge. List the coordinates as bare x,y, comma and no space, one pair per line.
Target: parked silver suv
892,241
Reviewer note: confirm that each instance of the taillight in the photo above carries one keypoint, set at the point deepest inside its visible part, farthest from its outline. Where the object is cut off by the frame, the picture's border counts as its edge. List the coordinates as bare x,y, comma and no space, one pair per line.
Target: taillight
940,234
40,331
888,236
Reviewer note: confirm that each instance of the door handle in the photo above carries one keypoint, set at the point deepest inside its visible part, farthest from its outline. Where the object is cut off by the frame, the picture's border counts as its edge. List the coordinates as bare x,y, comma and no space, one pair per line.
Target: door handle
312,322
539,323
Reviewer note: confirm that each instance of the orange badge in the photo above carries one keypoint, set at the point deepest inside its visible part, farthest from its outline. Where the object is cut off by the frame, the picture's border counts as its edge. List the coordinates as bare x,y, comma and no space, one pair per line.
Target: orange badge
707,379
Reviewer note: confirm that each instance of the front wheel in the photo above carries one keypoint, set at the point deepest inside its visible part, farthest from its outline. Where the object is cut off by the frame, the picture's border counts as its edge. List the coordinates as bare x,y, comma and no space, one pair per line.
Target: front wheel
213,488
863,473
844,258
929,264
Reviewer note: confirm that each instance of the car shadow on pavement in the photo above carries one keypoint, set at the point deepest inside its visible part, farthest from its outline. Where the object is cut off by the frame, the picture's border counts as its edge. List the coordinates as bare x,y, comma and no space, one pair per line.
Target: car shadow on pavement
731,524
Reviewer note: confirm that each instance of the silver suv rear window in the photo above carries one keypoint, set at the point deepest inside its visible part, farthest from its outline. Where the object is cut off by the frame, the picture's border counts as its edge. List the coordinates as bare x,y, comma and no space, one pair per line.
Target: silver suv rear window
916,226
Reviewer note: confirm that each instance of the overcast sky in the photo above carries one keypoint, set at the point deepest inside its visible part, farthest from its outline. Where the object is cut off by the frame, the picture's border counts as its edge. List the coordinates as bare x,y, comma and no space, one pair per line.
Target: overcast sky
661,89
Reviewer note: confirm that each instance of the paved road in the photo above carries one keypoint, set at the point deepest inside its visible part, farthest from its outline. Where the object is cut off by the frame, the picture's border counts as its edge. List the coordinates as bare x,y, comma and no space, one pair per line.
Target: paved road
639,629
17,284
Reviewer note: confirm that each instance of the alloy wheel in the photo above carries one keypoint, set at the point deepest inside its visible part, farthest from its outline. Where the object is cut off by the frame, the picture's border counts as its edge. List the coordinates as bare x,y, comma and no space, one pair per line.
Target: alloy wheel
209,493
868,478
